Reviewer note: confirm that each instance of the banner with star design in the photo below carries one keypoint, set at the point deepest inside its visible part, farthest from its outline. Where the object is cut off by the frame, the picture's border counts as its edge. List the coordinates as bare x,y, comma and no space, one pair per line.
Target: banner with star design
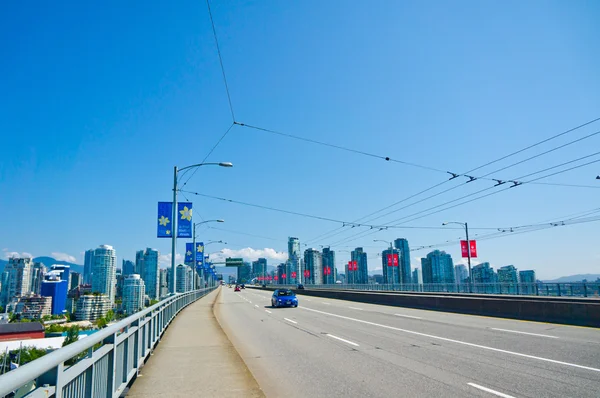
189,253
200,254
165,226
184,220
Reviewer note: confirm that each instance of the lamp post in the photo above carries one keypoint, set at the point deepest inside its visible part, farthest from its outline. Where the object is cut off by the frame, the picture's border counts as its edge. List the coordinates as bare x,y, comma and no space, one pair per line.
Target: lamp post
174,215
392,254
195,254
466,226
212,242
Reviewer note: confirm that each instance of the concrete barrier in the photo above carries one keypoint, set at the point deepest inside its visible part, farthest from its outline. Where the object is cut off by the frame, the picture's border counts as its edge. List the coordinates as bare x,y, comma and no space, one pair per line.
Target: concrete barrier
555,310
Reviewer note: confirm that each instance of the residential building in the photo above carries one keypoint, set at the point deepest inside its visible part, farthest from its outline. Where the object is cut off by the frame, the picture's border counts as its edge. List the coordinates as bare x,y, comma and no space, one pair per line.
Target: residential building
181,278
294,263
128,267
146,264
259,267
16,280
21,331
438,268
390,274
133,293
36,277
164,282
313,264
361,275
417,277
34,307
104,271
119,285
483,273
404,260
190,278
244,273
527,276
91,307
461,274
508,274
279,272
329,271
88,265
56,288
76,280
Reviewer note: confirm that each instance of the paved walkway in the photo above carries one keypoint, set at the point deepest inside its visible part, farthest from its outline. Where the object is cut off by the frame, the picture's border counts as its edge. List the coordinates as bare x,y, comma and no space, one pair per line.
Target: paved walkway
195,359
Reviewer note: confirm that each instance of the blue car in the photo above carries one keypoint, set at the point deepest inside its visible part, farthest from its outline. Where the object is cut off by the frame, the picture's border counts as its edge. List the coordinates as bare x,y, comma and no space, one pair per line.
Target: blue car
284,298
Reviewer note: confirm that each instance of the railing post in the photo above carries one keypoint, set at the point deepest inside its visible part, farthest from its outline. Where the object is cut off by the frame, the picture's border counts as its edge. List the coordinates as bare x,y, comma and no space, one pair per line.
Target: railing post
558,286
584,289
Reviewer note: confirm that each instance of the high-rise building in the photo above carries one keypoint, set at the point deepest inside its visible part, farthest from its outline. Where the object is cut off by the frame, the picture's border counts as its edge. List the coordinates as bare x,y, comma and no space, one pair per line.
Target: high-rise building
146,262
164,282
55,287
293,247
461,274
508,274
37,276
329,271
527,276
76,280
34,307
244,273
417,277
362,274
484,274
104,272
88,266
190,278
91,307
404,260
16,279
294,263
313,264
259,267
437,267
390,274
133,293
128,267
119,285
181,279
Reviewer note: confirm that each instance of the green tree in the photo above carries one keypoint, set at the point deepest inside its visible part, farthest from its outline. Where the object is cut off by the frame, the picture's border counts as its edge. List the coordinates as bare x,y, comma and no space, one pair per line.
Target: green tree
101,323
72,336
110,315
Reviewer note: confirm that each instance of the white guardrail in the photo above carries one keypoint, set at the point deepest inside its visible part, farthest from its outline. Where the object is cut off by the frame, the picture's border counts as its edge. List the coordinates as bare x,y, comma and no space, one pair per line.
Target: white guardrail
105,371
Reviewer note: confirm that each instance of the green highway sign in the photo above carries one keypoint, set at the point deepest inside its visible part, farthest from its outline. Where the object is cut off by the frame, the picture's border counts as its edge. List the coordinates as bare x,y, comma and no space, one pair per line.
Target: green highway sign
234,262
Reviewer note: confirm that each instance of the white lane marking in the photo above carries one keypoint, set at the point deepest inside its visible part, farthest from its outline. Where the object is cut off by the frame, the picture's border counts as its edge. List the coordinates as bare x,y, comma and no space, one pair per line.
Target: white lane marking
289,320
268,311
408,316
490,390
456,341
531,334
249,301
256,305
326,303
308,300
355,308
341,339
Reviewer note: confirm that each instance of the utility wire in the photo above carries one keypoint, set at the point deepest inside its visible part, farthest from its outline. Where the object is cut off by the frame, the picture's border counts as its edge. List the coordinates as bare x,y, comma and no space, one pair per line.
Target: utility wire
212,22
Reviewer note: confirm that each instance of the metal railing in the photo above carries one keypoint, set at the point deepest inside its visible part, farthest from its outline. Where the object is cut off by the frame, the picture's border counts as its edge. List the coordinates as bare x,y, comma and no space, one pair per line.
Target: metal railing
111,357
577,289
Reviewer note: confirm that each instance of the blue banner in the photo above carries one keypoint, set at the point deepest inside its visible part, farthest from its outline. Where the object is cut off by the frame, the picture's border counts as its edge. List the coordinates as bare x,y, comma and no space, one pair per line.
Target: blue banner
184,220
164,223
200,254
189,253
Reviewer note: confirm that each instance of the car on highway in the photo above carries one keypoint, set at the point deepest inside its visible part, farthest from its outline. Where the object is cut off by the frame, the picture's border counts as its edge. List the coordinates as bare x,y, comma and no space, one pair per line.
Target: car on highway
242,286
300,286
237,288
284,298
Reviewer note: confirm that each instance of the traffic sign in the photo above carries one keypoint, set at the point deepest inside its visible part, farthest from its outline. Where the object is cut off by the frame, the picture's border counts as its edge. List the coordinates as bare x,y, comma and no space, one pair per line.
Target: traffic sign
234,262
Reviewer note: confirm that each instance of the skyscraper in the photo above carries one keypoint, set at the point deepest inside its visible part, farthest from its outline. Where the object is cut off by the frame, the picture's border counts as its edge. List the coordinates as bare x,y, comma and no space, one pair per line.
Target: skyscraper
404,260
328,266
128,267
437,267
76,280
16,279
508,274
55,287
146,262
362,274
181,278
104,272
527,276
461,274
390,274
259,268
483,273
190,278
417,277
244,272
37,276
133,293
313,264
294,263
164,282
88,265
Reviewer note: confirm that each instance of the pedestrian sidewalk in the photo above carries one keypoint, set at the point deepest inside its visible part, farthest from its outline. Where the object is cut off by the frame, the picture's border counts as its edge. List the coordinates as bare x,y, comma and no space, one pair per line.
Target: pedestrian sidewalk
195,359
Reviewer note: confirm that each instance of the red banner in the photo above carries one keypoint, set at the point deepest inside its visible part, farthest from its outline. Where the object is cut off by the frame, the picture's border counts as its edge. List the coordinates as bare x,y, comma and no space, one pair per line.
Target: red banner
306,273
354,265
275,277
464,248
294,274
390,261
473,247
283,276
327,271
395,260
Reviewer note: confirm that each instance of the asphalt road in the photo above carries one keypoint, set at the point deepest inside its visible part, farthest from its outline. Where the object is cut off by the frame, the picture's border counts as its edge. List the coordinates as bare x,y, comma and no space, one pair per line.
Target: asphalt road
336,348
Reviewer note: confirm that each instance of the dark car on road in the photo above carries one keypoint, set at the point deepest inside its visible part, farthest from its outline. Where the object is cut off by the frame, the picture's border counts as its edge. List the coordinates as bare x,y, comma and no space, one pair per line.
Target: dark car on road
284,298
300,286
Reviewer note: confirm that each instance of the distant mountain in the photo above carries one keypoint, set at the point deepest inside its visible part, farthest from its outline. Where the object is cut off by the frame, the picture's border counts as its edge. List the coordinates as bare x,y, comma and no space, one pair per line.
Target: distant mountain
575,278
49,261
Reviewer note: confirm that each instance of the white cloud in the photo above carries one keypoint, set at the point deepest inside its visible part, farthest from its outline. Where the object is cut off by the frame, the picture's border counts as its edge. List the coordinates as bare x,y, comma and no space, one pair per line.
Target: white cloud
63,257
9,254
250,254
164,260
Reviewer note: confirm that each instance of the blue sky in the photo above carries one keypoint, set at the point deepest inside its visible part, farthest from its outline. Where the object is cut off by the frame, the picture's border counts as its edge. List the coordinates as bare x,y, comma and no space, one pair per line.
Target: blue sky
101,101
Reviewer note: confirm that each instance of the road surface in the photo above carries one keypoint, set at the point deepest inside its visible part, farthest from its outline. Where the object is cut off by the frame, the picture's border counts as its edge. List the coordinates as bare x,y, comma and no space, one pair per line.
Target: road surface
336,348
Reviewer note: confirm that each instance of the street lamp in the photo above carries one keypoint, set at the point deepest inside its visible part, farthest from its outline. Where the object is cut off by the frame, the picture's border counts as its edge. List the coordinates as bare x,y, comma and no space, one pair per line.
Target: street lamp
174,215
392,254
464,224
195,254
